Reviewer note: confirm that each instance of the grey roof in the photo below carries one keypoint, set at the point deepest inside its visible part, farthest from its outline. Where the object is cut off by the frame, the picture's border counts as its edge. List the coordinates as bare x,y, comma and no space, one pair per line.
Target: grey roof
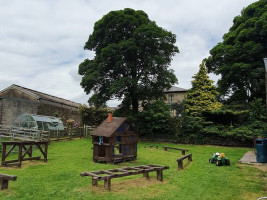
175,89
40,95
106,129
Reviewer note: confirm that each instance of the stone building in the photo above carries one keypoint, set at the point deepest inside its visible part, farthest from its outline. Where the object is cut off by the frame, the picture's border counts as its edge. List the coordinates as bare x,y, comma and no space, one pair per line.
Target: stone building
16,100
174,95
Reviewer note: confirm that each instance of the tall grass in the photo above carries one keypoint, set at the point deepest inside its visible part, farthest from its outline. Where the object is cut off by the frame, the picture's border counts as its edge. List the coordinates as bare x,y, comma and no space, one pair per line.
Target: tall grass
59,178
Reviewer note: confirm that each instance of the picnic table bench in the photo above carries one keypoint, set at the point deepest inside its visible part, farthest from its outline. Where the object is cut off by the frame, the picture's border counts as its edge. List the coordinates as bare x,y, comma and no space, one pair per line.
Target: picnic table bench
183,150
180,160
107,175
4,180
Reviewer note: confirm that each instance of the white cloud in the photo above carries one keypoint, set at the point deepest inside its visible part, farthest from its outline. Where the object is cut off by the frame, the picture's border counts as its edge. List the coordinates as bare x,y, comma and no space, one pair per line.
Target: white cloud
41,42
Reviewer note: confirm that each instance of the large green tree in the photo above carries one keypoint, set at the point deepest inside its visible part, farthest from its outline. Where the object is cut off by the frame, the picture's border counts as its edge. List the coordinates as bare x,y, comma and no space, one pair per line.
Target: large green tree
202,95
132,59
239,58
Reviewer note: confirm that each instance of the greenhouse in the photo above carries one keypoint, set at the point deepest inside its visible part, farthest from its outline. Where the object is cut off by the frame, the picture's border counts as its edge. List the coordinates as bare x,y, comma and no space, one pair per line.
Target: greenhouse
45,123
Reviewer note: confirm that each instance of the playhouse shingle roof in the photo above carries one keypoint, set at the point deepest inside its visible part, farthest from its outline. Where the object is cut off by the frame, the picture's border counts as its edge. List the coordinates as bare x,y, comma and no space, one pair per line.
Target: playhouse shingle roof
106,129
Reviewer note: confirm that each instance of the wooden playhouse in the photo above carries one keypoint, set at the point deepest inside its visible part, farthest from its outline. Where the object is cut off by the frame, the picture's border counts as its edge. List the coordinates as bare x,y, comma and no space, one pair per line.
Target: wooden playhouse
114,141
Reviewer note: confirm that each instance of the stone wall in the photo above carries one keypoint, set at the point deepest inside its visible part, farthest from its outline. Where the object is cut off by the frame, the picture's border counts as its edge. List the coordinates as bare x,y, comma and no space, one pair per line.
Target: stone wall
62,112
11,108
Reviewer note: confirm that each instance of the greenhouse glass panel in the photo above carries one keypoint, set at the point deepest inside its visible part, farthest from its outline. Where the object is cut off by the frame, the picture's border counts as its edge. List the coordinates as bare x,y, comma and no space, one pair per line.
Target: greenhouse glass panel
40,122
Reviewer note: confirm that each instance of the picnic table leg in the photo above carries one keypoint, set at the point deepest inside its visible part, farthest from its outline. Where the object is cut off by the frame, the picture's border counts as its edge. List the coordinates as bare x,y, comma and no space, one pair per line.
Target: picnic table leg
180,164
159,175
107,183
146,174
45,151
20,154
4,184
94,181
3,153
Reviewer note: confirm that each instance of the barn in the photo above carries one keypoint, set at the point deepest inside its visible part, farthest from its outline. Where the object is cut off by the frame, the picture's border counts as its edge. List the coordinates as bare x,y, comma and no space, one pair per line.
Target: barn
16,100
114,141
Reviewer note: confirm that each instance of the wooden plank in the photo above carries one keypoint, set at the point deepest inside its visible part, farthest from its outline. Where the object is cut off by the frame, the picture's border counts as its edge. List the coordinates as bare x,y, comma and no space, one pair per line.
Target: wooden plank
184,157
8,177
174,148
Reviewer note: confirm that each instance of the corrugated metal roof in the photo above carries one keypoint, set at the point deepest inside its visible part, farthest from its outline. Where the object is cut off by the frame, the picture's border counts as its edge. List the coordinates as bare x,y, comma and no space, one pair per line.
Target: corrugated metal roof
175,89
106,129
41,95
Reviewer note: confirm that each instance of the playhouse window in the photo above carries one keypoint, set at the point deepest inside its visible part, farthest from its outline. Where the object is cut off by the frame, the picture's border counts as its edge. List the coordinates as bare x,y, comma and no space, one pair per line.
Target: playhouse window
118,138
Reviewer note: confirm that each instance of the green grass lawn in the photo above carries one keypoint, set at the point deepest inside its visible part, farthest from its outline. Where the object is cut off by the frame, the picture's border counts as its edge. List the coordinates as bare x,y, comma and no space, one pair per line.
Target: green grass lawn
59,178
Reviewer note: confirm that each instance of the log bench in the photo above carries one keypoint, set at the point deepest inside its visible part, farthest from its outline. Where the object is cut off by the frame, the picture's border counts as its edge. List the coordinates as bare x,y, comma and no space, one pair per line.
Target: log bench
4,180
107,175
182,150
180,160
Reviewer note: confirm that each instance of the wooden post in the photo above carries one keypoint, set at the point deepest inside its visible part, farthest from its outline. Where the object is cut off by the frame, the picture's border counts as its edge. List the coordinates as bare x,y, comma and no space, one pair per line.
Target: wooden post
190,157
180,164
165,148
20,154
4,184
159,175
146,174
94,181
45,152
183,152
107,183
3,153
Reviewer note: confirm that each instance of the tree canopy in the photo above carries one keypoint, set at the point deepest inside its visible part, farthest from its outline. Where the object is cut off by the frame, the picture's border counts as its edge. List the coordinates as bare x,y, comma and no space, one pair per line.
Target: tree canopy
132,58
202,95
239,58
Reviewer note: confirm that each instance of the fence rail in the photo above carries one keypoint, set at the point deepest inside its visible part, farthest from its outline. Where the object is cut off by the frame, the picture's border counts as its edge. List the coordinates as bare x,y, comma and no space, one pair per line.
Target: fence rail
15,133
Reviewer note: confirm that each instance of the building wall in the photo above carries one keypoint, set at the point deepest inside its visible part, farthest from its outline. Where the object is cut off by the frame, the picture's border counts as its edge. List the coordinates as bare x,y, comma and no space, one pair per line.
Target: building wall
174,97
62,112
11,108
15,102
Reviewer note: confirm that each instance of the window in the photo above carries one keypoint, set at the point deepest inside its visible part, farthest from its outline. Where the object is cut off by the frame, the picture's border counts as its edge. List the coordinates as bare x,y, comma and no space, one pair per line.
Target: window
171,98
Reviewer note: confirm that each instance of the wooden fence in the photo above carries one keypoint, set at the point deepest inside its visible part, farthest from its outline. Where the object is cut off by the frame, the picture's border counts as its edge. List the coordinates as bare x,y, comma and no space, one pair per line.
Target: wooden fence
15,133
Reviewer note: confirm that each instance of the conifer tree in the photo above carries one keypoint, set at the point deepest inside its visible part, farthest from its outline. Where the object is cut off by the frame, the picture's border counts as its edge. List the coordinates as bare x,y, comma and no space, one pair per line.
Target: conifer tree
202,95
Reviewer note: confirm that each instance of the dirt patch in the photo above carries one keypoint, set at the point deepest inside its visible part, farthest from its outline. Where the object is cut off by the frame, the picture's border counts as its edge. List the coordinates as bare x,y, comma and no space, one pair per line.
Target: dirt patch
25,164
123,186
262,167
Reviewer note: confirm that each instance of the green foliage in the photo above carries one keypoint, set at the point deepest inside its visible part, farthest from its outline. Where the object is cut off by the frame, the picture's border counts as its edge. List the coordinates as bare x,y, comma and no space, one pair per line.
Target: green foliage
202,96
239,58
92,116
132,56
154,118
257,110
226,116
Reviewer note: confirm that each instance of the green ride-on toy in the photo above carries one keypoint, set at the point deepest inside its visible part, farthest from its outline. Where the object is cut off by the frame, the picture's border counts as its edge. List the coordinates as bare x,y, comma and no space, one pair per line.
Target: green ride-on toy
219,159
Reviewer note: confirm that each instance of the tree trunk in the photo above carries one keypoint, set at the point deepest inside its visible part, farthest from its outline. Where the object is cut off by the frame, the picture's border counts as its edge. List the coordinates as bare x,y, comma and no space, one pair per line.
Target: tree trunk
135,105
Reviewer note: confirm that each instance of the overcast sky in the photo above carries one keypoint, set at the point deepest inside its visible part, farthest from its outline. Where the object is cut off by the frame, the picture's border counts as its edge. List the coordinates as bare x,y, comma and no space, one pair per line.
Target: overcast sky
41,42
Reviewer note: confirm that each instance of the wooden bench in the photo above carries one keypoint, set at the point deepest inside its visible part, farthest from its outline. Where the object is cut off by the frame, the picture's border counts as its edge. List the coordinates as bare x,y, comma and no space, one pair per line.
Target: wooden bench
180,160
183,150
4,180
107,175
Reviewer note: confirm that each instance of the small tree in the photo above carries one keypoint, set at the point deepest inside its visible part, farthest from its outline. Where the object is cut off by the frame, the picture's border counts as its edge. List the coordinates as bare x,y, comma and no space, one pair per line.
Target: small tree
202,95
